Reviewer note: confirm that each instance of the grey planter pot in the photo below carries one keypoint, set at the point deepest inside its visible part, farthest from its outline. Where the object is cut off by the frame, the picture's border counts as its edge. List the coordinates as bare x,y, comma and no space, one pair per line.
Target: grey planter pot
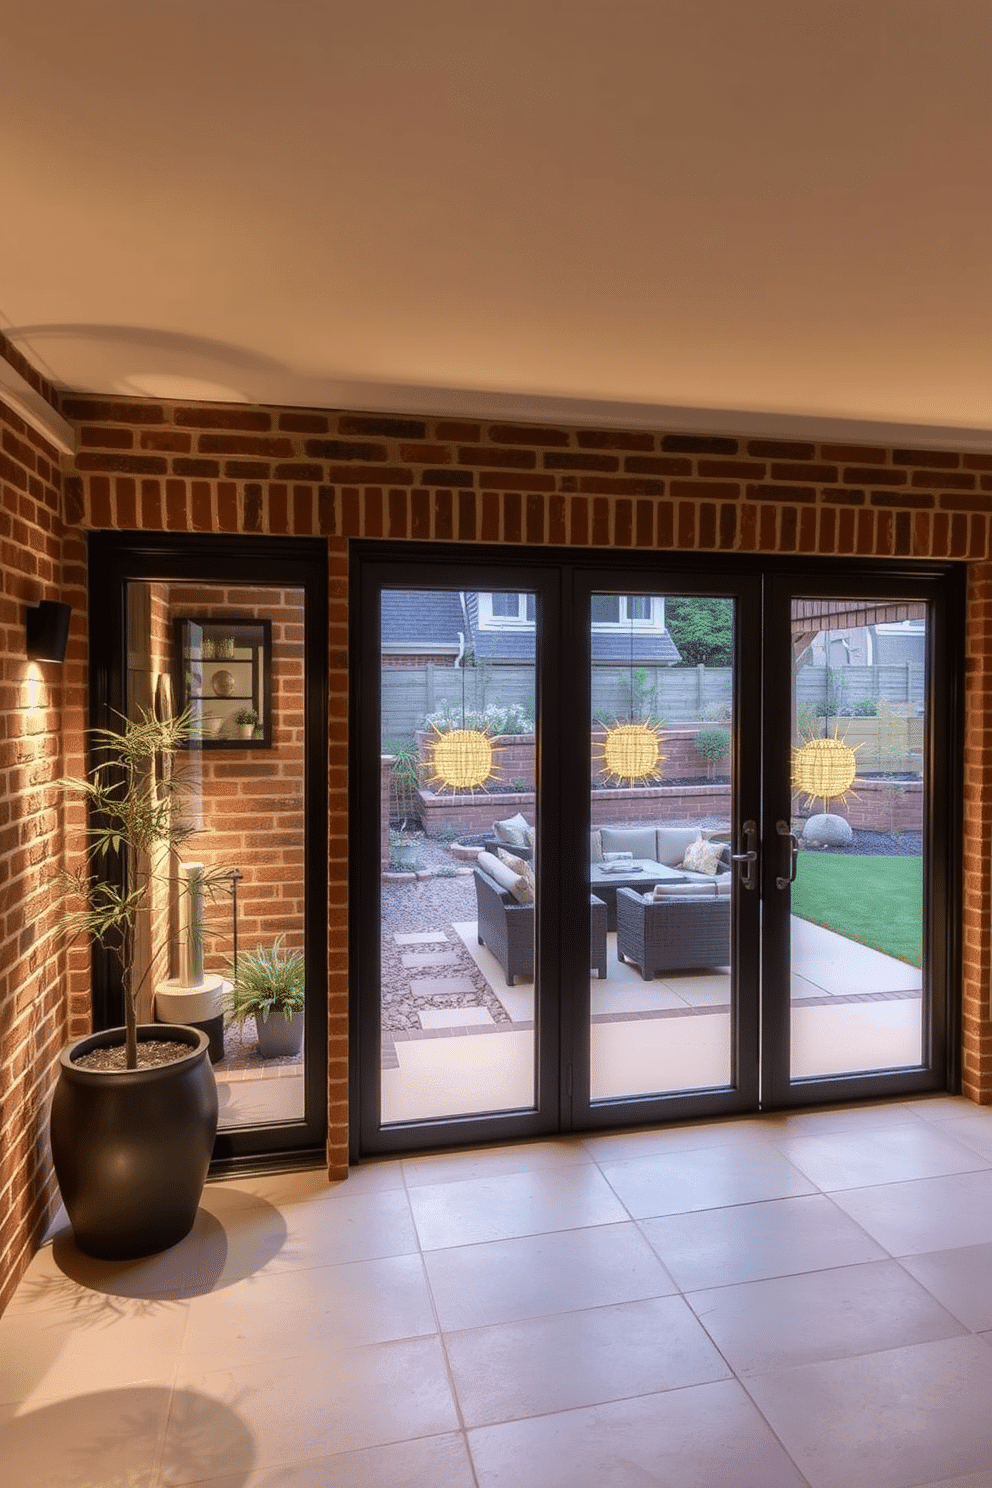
279,1036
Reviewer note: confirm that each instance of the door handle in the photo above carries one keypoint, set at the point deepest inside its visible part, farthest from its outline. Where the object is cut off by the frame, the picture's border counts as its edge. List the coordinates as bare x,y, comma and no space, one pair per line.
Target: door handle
784,829
749,857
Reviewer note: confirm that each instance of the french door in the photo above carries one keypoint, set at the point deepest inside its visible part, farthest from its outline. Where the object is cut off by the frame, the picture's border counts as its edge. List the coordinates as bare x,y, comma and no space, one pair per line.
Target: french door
643,842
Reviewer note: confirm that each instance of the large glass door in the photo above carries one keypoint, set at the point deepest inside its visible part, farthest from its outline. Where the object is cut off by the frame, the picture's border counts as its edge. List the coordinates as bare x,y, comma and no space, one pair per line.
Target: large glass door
609,871
859,833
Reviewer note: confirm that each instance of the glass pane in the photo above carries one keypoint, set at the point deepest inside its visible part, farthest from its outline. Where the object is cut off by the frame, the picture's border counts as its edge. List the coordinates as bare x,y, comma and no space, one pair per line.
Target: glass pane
211,647
507,605
457,832
859,731
660,879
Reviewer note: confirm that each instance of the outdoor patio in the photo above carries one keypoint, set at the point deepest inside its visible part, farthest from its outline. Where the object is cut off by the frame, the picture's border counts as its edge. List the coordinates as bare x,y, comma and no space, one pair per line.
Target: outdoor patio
469,1044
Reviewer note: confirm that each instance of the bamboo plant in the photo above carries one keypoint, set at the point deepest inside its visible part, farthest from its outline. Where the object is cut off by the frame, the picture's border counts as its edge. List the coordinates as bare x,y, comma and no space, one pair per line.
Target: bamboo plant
134,799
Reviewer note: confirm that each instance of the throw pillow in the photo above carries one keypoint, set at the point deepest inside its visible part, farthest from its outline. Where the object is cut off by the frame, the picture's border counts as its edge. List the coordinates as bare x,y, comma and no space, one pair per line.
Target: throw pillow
506,877
703,857
513,831
684,891
520,866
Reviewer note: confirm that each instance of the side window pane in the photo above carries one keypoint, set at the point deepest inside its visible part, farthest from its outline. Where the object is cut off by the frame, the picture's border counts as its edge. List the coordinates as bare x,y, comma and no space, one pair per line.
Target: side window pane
606,609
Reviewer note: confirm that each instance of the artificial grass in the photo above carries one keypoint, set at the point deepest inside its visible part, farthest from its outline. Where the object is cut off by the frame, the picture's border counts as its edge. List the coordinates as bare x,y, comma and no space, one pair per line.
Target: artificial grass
877,901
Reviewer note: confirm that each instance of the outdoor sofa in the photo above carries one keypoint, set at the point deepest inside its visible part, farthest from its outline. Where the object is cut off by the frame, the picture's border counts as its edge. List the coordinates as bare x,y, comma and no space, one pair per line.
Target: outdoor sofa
506,926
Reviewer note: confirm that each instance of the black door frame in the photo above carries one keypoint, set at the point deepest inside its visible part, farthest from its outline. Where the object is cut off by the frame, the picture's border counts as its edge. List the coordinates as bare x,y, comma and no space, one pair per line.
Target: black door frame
760,1029
116,559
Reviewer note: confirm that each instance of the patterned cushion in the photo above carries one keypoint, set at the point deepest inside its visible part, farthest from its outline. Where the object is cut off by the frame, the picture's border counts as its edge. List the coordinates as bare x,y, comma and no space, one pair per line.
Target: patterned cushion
683,891
703,857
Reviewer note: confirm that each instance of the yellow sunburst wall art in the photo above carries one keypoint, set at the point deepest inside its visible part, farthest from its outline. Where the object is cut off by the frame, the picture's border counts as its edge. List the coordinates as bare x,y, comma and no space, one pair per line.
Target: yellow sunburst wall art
461,759
631,752
824,769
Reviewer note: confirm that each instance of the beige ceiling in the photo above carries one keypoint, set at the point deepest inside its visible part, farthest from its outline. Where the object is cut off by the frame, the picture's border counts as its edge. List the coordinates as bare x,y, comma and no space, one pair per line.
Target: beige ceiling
718,213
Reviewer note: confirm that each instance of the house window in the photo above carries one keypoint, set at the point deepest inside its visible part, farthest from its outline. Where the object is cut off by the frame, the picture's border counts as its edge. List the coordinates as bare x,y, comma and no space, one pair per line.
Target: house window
646,611
505,610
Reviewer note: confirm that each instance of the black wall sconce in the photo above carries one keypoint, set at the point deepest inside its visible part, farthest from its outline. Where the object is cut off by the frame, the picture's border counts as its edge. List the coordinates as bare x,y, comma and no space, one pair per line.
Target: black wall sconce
47,627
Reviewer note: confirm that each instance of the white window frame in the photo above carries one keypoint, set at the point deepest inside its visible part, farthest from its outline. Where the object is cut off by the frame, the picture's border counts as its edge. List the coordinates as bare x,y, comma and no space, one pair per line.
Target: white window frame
489,621
655,624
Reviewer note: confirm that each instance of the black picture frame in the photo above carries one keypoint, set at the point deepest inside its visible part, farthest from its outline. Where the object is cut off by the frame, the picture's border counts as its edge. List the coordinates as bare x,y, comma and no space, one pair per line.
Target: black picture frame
223,665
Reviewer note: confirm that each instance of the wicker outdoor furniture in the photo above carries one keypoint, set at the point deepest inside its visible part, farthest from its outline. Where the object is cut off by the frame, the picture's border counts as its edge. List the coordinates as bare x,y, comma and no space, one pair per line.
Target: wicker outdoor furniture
672,934
506,928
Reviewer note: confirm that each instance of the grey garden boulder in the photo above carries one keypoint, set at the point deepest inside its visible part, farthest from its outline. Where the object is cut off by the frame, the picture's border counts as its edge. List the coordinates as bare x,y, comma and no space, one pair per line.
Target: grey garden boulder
827,830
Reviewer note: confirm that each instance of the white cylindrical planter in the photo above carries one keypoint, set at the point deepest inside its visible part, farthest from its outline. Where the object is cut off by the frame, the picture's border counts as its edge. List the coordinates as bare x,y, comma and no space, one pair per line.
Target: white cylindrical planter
198,1007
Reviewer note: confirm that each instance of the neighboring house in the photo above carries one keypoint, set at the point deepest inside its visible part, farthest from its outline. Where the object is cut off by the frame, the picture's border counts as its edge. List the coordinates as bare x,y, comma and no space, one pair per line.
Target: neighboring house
892,643
445,626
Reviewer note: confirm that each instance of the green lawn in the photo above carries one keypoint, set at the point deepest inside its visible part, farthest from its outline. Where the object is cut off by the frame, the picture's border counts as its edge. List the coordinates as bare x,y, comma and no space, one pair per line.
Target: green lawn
876,901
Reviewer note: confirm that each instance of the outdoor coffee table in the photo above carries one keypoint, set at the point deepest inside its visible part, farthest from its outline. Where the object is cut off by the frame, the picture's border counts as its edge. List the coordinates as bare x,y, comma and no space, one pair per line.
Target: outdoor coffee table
628,873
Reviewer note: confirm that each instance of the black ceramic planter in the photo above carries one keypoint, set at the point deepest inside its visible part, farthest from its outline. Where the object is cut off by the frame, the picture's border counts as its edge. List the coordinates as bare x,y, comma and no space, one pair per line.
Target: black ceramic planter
131,1148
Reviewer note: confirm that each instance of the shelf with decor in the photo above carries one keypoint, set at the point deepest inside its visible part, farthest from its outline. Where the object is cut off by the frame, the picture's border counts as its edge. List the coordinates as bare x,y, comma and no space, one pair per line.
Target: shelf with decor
223,672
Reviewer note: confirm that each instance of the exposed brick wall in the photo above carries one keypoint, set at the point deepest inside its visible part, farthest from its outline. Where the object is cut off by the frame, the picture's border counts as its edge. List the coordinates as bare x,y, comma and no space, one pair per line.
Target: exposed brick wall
267,470
34,707
253,798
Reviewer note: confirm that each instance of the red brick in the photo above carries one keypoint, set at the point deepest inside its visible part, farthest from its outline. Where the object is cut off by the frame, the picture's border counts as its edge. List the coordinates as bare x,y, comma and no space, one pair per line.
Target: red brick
524,434
657,465
466,516
304,423
534,516
515,480
425,454
936,459
614,439
375,475
863,454
202,417
172,440
245,444
715,490
458,431
97,410
125,464
492,455
107,438
571,461
699,444
780,449
799,472
383,425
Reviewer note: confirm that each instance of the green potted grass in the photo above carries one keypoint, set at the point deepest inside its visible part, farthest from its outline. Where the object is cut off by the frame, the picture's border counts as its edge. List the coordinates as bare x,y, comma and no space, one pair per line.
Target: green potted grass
268,985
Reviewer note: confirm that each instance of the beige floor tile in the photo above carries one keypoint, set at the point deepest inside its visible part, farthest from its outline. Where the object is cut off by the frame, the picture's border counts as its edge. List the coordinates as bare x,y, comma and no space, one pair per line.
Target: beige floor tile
849,1118
287,1313
886,1155
55,1352
308,1185
706,1436
516,1157
541,1365
763,1325
960,1279
973,1129
925,1214
945,1107
884,1420
345,1227
536,1275
103,1439
672,1183
322,1402
437,1461
512,1204
749,1242
738,1132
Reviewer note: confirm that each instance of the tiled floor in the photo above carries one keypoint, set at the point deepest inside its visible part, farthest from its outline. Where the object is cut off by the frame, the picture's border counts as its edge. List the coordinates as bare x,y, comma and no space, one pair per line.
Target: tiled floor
762,1303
